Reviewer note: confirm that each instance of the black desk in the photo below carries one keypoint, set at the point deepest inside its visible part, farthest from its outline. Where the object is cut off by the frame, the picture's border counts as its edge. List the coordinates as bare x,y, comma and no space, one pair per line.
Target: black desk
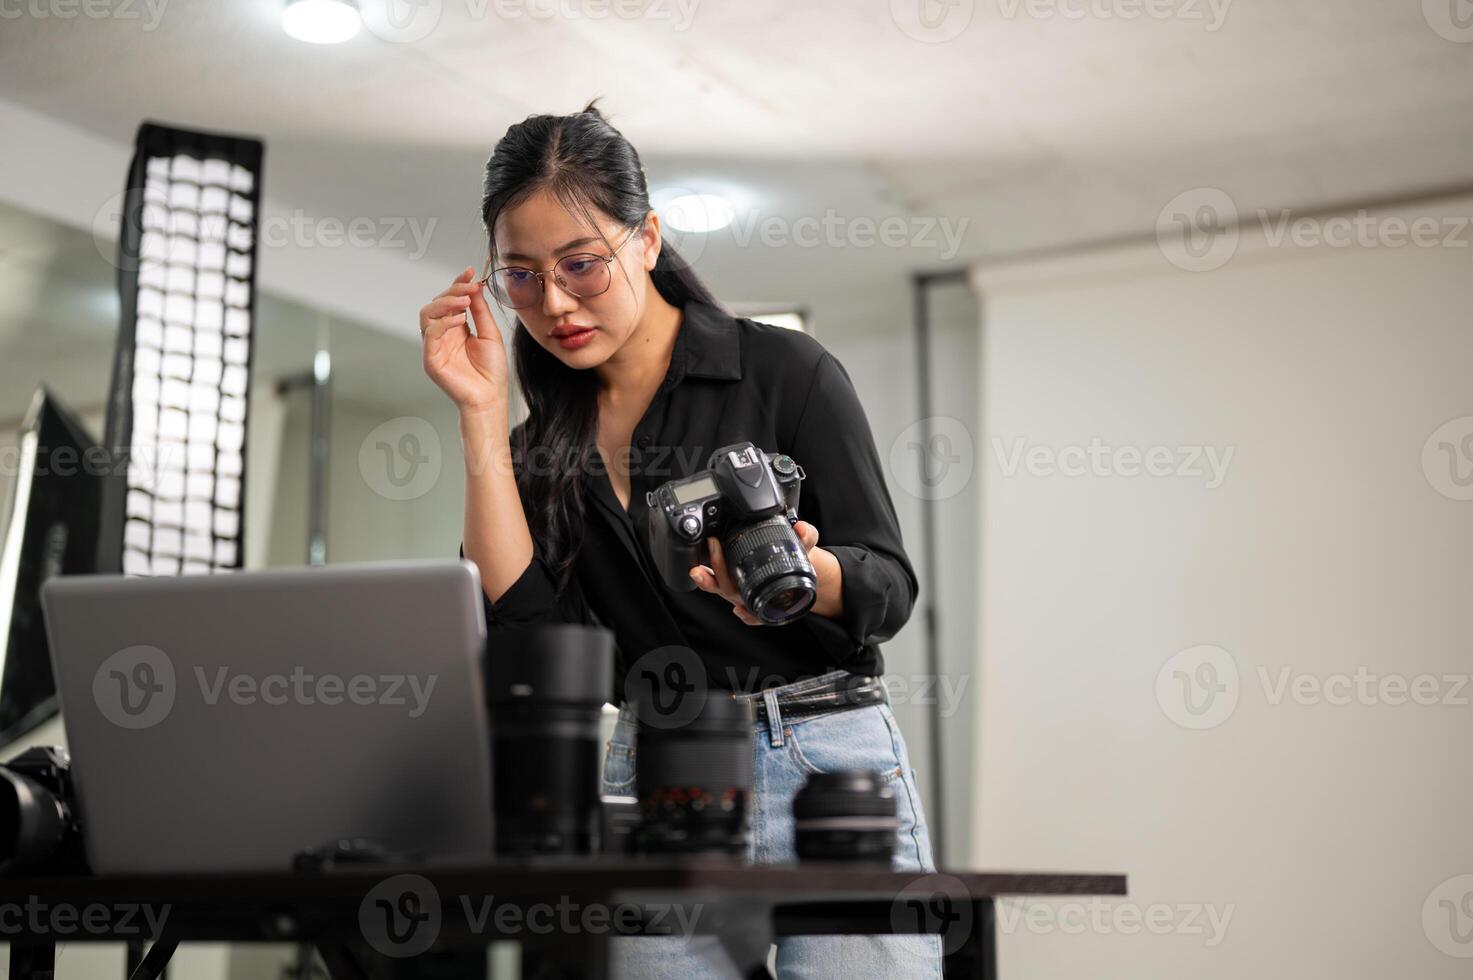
370,922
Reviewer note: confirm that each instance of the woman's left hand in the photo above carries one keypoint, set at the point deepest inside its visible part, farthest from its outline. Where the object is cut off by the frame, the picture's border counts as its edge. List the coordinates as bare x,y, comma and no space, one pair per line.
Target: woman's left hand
716,578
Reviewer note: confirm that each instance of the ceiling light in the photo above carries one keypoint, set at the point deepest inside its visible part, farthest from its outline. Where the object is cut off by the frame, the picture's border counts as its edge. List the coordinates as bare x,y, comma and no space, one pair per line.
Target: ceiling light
698,212
321,21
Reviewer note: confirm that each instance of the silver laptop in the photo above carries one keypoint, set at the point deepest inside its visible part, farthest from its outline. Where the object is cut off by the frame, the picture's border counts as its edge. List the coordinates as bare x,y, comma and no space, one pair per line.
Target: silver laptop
227,722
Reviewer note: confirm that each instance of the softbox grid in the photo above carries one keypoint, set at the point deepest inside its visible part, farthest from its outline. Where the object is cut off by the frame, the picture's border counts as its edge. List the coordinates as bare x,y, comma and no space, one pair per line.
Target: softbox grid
177,409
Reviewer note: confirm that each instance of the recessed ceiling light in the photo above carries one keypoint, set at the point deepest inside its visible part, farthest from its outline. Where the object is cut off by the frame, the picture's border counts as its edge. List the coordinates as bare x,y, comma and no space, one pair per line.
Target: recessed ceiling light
321,21
698,212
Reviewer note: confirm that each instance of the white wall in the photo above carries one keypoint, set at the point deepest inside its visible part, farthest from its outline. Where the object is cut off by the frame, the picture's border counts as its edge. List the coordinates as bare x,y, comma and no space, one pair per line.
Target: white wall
1318,830
370,517
882,364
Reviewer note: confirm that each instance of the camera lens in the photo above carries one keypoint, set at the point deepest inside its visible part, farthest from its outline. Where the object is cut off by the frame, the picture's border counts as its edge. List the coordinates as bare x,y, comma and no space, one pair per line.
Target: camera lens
620,824
37,826
546,689
694,781
32,822
787,598
845,816
772,570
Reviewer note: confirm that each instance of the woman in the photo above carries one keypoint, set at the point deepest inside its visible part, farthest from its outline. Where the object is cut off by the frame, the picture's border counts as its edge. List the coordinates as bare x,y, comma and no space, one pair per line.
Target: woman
633,375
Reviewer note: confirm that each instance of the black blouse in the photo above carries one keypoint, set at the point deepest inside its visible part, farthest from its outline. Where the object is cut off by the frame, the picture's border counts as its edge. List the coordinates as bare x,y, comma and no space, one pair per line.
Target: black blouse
735,380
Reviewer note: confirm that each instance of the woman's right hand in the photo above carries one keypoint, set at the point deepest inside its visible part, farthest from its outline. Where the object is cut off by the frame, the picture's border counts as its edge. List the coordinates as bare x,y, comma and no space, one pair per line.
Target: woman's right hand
471,369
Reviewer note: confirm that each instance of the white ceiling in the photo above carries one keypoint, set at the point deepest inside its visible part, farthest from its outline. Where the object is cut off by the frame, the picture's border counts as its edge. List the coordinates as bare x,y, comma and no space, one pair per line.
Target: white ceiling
1034,130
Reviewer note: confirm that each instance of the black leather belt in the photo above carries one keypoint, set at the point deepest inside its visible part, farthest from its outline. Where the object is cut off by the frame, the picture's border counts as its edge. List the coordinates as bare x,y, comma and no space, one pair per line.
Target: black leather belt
835,691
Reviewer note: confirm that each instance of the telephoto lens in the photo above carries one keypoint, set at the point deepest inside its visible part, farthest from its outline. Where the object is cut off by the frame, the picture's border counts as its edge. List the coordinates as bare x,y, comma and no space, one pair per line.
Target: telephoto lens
845,816
694,780
546,688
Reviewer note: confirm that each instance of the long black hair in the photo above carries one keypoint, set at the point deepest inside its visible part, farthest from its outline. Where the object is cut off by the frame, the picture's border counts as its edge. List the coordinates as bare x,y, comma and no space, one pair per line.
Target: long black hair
584,162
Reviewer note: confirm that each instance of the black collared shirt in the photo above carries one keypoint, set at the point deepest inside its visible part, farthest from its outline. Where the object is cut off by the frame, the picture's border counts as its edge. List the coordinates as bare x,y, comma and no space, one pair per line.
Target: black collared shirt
734,380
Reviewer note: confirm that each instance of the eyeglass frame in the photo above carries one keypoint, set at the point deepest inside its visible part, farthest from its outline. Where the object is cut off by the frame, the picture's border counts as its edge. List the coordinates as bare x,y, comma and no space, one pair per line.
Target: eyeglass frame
485,281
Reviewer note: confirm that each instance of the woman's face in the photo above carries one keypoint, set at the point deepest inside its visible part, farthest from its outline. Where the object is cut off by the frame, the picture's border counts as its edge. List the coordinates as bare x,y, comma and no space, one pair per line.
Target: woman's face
540,231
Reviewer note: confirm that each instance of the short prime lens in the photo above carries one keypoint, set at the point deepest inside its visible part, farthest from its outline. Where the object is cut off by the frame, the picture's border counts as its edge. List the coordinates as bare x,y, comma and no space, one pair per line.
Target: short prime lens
848,815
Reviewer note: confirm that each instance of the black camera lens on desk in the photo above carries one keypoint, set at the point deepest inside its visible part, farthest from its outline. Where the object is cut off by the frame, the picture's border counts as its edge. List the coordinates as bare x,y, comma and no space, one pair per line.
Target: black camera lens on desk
620,827
546,689
694,780
845,816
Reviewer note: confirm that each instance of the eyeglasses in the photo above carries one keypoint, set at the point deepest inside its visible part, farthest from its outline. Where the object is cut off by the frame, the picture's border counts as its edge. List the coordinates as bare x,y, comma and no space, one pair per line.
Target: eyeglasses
582,274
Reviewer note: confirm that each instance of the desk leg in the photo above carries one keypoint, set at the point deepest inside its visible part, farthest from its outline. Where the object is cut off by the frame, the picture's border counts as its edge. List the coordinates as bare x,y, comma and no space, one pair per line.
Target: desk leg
340,961
156,960
33,961
976,955
745,930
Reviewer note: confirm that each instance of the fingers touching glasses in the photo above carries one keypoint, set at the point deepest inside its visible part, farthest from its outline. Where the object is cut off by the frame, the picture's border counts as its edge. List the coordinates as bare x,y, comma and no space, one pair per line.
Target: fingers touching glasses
582,274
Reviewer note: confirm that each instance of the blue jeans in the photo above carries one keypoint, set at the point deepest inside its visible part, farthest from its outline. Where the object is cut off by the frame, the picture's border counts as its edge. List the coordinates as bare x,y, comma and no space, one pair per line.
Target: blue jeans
858,738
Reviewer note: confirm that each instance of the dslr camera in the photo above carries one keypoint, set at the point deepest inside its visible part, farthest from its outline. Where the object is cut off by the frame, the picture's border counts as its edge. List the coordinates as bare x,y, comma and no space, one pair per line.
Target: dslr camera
748,499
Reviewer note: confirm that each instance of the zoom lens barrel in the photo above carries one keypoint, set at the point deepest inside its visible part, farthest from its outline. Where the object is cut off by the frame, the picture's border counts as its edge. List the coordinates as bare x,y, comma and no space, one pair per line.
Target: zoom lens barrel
772,570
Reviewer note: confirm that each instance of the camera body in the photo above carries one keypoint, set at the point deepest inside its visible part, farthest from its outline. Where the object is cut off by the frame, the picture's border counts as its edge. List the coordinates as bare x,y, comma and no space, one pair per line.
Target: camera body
749,500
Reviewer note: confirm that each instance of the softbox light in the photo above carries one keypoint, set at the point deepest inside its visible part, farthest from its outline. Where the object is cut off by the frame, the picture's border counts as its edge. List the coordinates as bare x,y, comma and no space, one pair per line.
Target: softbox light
177,408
